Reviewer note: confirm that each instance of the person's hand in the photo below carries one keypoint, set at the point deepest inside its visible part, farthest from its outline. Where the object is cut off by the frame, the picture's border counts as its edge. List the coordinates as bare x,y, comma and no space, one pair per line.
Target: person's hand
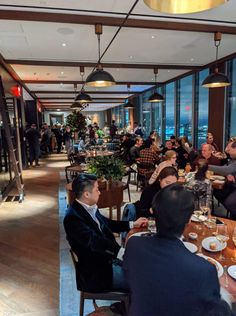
230,178
141,222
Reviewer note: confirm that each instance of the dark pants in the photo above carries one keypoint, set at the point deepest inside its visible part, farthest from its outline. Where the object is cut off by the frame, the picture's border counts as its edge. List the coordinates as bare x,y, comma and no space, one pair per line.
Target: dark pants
227,197
34,151
59,143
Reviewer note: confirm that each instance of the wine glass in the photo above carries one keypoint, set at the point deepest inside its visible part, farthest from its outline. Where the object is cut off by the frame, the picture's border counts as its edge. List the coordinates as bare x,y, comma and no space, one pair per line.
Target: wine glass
205,207
223,236
152,224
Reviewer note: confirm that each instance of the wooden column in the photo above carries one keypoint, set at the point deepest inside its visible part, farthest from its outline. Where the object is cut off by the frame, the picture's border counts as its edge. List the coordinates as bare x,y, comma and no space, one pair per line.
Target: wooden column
216,112
131,117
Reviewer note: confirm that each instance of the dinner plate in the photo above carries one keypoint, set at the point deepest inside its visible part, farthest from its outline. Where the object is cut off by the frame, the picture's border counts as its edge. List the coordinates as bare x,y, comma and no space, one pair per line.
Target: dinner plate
216,177
218,266
219,181
232,271
200,218
207,241
191,247
142,234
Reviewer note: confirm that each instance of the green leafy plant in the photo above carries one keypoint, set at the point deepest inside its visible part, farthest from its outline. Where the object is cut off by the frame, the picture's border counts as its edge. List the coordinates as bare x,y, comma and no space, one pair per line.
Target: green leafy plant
76,121
108,167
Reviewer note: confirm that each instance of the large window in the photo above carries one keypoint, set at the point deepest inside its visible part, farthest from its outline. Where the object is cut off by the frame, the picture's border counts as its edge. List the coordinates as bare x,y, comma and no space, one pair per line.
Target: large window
186,101
157,115
203,100
170,110
232,100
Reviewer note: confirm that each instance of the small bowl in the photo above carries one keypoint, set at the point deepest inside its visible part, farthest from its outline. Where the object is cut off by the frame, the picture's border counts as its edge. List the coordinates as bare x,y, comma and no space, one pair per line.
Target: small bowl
193,235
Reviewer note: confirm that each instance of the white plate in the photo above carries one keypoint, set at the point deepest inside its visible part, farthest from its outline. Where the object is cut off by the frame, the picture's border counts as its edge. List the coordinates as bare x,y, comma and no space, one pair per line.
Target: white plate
140,234
200,218
191,247
219,246
232,271
219,181
218,266
215,177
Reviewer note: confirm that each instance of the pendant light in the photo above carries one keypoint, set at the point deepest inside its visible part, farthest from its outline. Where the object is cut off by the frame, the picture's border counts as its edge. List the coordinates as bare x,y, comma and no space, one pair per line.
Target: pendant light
83,97
183,6
99,77
76,104
156,97
128,105
216,79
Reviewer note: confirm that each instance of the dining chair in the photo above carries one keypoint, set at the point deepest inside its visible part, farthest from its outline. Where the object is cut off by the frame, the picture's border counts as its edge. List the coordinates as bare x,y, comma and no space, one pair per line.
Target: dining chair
144,172
108,296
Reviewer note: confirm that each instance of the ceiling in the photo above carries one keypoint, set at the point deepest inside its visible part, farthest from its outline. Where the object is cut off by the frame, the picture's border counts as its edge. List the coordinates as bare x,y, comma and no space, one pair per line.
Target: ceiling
45,42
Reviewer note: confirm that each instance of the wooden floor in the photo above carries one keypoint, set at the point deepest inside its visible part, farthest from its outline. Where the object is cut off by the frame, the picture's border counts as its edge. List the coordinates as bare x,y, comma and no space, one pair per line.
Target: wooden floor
29,244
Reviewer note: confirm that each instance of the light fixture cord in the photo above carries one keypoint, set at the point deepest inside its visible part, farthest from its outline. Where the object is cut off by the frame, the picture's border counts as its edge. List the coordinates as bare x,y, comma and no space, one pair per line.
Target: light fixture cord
217,44
99,48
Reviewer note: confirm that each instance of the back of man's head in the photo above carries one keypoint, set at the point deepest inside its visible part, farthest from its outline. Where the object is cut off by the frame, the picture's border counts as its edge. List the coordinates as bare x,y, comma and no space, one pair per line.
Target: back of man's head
173,207
83,182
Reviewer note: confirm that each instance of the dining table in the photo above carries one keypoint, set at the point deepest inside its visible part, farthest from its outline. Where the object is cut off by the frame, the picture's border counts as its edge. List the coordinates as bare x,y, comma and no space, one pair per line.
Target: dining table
229,252
94,153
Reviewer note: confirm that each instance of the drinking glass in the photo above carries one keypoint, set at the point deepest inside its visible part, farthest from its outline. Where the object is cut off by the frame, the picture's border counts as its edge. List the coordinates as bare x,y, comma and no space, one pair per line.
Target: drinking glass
205,207
223,236
152,224
234,241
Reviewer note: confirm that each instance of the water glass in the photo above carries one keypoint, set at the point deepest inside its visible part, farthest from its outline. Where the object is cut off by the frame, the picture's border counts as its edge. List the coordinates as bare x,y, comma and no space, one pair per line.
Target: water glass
223,236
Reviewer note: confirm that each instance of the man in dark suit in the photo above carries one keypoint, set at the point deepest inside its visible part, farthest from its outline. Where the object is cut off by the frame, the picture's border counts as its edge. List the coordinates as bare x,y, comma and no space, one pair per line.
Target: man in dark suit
90,236
163,276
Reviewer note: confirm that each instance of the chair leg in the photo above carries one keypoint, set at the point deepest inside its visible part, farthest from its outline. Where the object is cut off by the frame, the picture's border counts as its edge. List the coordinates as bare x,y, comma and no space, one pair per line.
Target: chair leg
129,193
126,302
81,309
110,212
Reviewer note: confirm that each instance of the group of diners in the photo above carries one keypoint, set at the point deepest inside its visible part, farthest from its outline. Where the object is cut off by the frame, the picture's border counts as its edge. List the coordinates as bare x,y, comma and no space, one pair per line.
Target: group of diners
161,276
150,158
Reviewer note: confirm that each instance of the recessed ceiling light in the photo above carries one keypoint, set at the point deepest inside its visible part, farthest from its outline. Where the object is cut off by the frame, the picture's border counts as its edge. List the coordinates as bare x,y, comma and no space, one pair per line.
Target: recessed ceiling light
191,59
62,72
63,44
168,70
153,36
130,56
61,84
152,79
58,109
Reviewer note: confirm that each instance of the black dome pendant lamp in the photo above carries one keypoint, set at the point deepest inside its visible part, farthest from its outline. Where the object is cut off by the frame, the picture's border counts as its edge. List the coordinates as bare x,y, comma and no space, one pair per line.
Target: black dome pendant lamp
100,77
156,97
216,79
83,97
128,104
76,105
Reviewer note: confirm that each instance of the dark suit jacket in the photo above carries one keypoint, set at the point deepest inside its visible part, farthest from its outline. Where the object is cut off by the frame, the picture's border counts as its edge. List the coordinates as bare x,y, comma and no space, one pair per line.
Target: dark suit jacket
166,279
94,248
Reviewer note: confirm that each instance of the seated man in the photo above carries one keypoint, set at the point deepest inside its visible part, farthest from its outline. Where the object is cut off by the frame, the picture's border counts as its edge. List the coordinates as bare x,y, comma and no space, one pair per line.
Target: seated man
134,152
90,236
206,153
164,277
227,196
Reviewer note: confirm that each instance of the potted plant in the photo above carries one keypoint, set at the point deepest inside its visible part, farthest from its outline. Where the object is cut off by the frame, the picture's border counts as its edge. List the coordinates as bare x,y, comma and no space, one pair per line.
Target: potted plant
109,168
76,121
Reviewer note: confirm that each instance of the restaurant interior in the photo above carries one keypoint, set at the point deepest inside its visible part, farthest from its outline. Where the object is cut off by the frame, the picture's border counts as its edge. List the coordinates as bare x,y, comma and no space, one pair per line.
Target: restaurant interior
79,68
